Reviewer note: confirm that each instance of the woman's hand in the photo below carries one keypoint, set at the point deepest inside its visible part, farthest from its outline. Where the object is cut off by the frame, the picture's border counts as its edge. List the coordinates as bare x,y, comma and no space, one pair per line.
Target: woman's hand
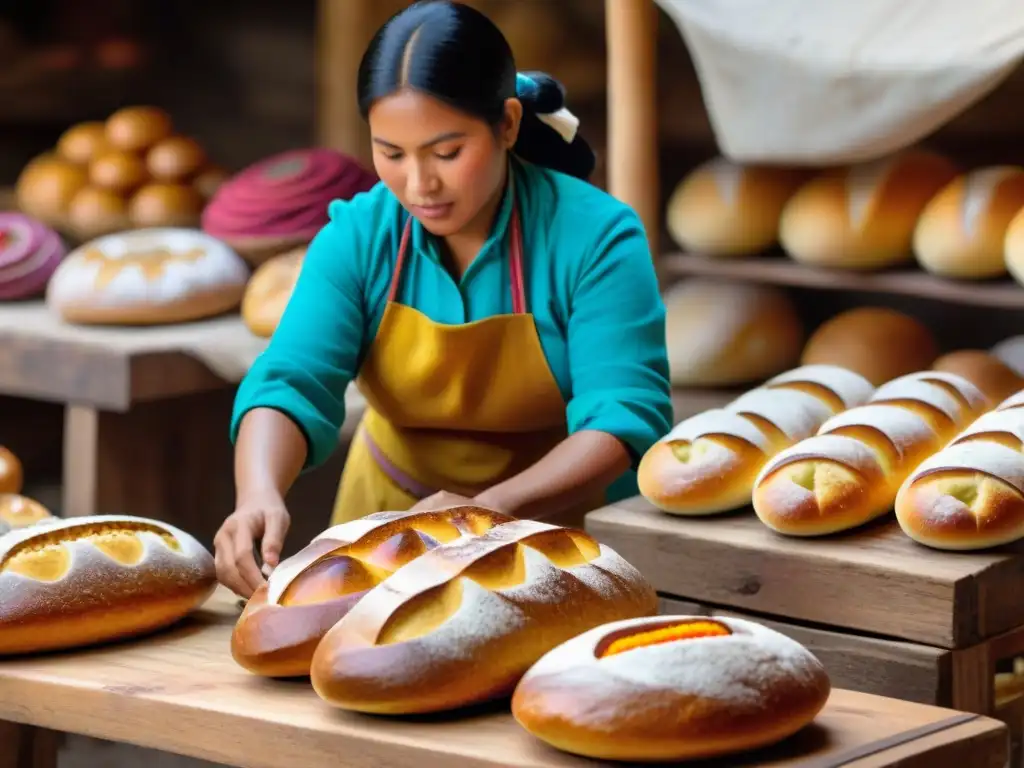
262,517
443,499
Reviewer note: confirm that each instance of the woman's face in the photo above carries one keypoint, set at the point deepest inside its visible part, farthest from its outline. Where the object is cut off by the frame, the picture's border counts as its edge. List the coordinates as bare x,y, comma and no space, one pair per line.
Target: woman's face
443,165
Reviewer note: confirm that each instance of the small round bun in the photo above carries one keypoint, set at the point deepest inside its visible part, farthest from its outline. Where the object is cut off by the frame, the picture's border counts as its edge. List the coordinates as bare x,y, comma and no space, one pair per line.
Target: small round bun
46,186
11,473
1013,247
175,159
269,290
671,688
878,343
18,511
135,129
165,205
82,143
117,171
992,376
94,211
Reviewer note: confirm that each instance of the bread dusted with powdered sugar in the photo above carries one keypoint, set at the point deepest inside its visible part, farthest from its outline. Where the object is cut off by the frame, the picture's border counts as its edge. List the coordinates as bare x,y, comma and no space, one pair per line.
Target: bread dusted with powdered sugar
309,592
850,471
671,688
463,622
84,580
707,463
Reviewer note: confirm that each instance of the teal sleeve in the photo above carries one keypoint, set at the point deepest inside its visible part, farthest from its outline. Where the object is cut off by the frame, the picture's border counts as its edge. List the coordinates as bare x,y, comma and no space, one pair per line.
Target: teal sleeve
616,341
315,352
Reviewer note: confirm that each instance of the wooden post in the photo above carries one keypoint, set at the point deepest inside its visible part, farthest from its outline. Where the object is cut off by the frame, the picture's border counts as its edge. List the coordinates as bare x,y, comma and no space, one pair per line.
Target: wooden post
631,30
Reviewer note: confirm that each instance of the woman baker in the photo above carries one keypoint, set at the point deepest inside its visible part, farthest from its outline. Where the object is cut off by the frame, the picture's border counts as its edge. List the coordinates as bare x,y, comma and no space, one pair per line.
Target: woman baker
500,314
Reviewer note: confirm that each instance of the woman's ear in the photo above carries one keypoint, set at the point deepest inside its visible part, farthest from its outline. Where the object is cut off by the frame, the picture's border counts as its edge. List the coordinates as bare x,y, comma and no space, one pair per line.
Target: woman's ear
508,131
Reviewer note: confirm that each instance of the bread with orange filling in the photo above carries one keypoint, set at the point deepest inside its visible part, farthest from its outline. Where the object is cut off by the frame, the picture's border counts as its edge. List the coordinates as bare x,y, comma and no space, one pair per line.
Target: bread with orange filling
707,463
87,580
309,592
461,624
849,473
671,688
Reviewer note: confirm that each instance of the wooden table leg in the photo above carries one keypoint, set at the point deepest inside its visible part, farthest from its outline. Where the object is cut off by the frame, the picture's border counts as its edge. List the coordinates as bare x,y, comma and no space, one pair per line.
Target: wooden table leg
25,746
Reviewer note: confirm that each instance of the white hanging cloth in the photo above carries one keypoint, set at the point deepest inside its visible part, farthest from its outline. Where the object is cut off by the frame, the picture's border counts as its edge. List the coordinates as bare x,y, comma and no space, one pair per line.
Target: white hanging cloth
823,82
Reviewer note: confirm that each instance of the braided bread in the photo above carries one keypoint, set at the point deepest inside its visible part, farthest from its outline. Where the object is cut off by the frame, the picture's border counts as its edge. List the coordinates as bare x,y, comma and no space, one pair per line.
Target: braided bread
462,623
309,592
87,580
707,463
850,471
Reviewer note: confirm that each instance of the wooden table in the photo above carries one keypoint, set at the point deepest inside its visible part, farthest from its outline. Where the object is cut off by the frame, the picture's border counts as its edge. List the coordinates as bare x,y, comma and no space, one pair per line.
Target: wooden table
181,692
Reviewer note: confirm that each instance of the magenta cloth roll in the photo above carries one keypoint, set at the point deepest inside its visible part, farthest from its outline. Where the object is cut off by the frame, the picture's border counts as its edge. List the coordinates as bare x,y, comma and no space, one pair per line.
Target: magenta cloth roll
29,254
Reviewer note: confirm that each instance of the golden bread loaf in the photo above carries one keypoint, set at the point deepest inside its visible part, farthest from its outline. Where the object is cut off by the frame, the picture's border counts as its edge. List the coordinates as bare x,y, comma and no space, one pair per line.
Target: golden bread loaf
269,290
86,580
462,623
18,511
11,472
1013,247
878,343
671,688
863,217
970,495
707,463
962,231
720,333
309,592
722,208
996,380
849,473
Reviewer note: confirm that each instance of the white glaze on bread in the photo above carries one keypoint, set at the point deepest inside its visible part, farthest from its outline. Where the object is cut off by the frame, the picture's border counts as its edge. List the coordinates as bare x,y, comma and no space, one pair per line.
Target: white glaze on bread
993,459
994,422
797,414
1013,401
852,388
718,421
841,449
905,388
904,429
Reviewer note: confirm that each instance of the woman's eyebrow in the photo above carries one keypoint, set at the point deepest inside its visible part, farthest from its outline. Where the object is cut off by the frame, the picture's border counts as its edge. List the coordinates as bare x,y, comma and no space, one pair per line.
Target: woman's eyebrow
436,140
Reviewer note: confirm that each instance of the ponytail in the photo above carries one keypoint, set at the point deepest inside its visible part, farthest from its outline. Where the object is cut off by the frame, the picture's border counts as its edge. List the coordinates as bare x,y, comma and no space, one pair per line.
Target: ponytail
548,135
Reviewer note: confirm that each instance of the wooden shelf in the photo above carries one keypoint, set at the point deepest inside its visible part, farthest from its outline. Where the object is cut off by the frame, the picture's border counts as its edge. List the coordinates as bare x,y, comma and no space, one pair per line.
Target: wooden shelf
779,270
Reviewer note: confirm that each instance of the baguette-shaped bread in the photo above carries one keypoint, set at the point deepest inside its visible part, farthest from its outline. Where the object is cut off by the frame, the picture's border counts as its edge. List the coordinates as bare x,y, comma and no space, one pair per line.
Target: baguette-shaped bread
20,512
11,474
85,580
463,622
707,463
309,592
849,473
671,688
992,376
970,495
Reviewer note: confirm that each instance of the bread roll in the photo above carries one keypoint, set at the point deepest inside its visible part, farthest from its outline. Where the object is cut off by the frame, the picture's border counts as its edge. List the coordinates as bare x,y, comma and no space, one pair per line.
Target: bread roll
725,209
1011,352
82,143
309,592
722,333
88,580
970,495
463,622
878,343
269,290
175,159
863,217
707,463
992,376
148,277
1013,247
849,473
165,205
135,129
46,186
11,473
671,688
962,231
18,511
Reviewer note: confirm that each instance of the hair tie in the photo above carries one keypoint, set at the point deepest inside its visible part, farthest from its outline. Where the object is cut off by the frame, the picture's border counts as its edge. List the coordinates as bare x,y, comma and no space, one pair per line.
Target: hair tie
560,119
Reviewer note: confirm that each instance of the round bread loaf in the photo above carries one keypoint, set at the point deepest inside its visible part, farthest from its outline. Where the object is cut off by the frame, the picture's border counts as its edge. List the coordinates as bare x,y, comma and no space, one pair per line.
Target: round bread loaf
878,343
721,333
148,277
962,231
992,376
970,495
309,592
47,185
29,254
707,463
671,688
462,623
726,209
87,580
863,217
281,202
1013,247
11,473
134,129
269,290
1011,352
18,511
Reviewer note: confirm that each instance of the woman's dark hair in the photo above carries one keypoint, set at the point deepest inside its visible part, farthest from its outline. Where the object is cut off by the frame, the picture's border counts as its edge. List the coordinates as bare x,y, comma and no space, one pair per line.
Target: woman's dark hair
457,55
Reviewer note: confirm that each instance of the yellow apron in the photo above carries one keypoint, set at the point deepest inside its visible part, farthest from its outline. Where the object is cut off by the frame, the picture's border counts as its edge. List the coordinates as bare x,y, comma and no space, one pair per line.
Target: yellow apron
457,408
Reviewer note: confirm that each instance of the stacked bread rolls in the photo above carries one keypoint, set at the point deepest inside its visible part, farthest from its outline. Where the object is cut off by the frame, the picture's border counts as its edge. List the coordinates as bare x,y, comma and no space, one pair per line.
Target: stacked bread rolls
671,688
463,622
970,495
87,580
849,473
707,463
308,593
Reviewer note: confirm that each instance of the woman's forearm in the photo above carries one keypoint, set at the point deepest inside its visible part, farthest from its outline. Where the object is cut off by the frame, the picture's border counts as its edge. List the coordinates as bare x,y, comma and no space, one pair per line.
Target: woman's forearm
270,452
575,470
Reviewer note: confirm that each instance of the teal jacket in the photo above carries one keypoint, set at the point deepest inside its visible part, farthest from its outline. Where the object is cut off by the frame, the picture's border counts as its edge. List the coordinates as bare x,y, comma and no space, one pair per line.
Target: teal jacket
590,284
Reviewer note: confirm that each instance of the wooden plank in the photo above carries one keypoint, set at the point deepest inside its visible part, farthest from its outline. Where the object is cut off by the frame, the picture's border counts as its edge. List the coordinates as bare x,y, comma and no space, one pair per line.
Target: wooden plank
181,692
892,668
874,579
23,746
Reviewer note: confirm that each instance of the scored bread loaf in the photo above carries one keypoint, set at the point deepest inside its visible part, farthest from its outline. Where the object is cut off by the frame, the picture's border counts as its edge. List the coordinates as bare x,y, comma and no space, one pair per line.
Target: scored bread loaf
849,473
992,376
671,688
970,495
707,463
462,623
86,580
308,593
